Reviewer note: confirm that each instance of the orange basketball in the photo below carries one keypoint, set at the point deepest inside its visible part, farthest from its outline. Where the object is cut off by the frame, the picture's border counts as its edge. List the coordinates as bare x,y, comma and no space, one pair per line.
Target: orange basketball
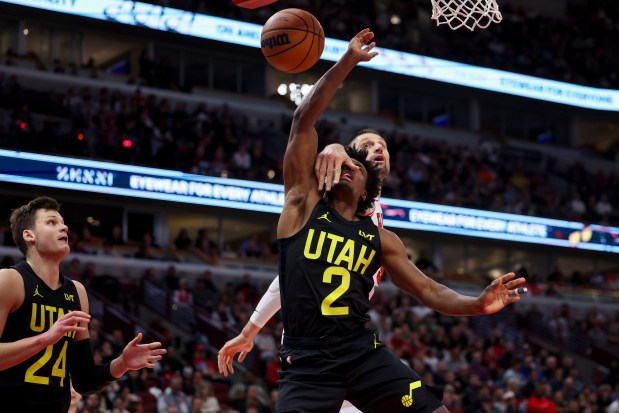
292,40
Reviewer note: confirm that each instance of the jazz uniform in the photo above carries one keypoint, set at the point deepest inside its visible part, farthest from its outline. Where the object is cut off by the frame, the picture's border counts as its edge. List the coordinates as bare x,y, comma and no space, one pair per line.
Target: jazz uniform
328,354
40,383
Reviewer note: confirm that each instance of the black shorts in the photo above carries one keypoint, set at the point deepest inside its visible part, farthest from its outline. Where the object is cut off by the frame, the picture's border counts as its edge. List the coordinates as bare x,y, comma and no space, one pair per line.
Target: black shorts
317,375
32,400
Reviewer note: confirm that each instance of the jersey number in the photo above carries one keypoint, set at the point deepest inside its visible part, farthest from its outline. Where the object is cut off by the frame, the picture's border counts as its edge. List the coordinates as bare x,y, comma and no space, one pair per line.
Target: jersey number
58,370
327,307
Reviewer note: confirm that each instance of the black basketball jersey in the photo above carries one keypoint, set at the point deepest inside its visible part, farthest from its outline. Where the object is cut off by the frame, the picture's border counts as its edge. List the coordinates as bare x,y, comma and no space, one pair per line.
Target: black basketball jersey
326,273
44,377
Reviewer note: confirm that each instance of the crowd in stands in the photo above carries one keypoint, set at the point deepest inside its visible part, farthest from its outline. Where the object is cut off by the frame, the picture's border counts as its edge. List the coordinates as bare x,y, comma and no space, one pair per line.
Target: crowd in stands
479,371
219,141
574,46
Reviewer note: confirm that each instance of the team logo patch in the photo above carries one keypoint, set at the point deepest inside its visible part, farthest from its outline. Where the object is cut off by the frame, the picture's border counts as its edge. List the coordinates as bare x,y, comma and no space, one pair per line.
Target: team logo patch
407,399
366,236
325,216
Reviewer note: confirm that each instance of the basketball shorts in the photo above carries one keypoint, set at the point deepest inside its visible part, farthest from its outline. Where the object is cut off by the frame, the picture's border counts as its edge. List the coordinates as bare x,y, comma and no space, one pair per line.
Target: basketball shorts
15,399
317,375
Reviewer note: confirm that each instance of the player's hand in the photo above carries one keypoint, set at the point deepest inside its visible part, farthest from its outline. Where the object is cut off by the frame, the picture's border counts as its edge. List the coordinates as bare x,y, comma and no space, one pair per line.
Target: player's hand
360,46
73,321
138,356
239,344
501,292
328,167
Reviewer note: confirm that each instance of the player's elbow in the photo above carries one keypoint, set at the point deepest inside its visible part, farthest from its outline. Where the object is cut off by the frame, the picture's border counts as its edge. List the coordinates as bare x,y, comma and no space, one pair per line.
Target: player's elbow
304,116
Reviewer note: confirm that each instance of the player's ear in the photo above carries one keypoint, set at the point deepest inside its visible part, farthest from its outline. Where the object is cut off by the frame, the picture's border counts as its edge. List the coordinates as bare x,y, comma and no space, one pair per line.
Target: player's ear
28,235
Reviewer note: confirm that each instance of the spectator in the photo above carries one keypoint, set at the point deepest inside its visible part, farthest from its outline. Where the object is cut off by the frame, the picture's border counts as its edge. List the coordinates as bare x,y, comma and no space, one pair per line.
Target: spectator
539,401
205,293
211,404
171,279
116,237
183,295
603,207
241,161
251,247
205,244
92,405
174,397
425,264
266,345
182,240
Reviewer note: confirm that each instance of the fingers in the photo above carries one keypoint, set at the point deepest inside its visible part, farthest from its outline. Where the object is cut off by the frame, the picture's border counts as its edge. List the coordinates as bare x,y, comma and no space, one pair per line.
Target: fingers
73,321
76,313
506,277
514,284
74,317
365,35
331,178
242,356
321,172
350,164
136,340
224,363
330,171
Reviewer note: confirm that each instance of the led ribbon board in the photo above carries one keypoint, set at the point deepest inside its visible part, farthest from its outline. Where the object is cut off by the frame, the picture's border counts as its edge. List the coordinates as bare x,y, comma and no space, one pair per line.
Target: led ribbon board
140,182
409,64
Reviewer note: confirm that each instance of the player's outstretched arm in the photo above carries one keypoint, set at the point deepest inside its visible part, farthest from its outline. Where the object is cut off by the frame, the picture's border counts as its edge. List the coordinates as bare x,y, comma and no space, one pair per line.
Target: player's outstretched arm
89,377
137,356
242,344
300,186
407,277
328,166
11,297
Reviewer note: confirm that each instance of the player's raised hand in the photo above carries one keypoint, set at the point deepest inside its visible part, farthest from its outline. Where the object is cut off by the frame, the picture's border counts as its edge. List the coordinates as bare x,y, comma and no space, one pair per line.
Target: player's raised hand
501,292
73,321
361,46
328,167
138,356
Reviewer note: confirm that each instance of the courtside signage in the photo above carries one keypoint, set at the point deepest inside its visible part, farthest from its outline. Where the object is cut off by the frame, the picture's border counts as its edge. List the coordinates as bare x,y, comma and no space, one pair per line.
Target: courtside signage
247,34
165,185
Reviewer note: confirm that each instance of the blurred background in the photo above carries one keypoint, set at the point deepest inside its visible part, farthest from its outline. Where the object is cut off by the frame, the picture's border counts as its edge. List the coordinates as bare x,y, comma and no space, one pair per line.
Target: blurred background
161,129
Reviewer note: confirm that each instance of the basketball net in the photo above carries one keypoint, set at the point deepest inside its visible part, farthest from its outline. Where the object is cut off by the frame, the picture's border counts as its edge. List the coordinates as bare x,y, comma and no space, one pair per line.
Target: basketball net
466,13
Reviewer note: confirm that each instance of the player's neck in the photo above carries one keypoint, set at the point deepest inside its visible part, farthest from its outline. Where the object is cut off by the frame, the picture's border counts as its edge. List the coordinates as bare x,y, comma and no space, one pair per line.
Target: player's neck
47,269
345,209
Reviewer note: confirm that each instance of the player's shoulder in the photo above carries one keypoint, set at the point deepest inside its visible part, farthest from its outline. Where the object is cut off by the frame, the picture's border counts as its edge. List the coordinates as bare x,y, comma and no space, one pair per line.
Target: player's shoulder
11,288
78,286
388,239
8,276
385,232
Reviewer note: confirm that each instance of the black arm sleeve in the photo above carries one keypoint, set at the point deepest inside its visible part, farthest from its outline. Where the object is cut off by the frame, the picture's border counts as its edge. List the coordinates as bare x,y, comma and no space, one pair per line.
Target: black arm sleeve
86,376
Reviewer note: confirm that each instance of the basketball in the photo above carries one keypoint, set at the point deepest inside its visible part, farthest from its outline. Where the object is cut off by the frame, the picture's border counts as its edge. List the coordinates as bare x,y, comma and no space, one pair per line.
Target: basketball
292,40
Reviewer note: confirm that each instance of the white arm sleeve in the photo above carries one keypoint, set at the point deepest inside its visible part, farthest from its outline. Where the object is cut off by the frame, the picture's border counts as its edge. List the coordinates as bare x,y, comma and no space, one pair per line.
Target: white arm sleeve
269,304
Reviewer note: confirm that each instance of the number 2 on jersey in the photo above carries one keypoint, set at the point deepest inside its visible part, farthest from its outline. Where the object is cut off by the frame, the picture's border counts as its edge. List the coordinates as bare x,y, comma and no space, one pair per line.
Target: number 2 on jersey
327,307
58,370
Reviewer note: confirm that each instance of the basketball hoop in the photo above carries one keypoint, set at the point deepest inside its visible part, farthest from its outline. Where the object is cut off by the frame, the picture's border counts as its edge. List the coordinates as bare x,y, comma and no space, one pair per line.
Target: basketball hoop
466,13
252,4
